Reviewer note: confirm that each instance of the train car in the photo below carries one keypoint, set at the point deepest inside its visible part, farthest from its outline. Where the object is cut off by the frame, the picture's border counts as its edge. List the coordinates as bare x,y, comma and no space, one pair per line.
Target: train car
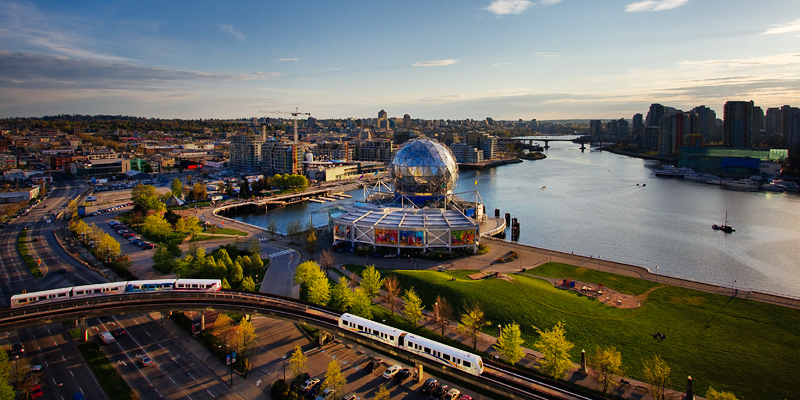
205,285
442,353
46,296
371,329
156,285
99,289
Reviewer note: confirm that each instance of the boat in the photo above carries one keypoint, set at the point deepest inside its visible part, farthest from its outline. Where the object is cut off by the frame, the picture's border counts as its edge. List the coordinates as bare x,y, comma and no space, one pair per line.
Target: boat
700,177
774,186
741,184
671,171
724,227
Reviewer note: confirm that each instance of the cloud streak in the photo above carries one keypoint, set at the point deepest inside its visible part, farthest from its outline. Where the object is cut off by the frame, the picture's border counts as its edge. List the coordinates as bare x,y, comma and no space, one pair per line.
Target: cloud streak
506,7
288,59
436,63
791,27
40,70
654,5
778,59
230,29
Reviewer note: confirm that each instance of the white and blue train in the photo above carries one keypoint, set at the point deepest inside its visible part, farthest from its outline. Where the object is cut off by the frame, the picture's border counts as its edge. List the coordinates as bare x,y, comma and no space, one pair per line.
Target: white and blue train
114,288
441,353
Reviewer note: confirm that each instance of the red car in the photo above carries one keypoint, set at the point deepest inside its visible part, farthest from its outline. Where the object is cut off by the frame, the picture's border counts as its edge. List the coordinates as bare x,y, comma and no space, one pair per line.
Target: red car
36,392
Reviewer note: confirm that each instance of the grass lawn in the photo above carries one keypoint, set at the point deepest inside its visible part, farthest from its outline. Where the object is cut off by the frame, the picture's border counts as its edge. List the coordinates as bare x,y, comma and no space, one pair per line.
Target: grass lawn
109,378
735,345
229,231
22,245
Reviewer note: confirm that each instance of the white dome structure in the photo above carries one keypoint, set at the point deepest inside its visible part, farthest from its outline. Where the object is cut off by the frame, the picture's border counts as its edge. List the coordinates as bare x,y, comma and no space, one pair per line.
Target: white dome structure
423,169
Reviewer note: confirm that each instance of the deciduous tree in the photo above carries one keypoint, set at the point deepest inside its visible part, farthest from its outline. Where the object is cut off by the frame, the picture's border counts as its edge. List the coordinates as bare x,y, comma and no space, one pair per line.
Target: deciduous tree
712,394
361,305
382,393
656,374
245,338
326,260
176,188
311,242
298,362
392,292
371,282
334,379
6,390
605,365
412,309
341,295
318,288
442,313
222,328
156,226
509,344
472,321
555,347
272,228
248,284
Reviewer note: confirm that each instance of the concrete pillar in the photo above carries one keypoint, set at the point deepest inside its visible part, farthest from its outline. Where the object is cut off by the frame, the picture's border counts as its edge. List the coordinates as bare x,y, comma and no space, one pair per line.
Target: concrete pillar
583,362
202,321
322,337
420,373
689,390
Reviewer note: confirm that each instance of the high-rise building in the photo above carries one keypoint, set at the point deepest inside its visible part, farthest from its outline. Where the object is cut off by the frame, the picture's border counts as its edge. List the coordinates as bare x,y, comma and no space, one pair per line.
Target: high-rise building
792,135
773,121
702,122
374,150
245,153
406,121
637,130
654,114
382,114
464,153
738,129
595,128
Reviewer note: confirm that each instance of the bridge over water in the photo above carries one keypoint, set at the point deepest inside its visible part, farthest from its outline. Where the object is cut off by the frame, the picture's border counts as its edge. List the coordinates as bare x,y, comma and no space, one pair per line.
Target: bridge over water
546,140
502,381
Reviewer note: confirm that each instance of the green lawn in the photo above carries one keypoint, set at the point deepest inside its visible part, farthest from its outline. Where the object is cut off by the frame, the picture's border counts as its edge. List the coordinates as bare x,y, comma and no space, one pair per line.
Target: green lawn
735,345
22,245
109,378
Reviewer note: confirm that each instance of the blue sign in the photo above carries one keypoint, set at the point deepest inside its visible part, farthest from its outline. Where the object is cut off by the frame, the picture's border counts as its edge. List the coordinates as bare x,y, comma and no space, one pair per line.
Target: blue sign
81,211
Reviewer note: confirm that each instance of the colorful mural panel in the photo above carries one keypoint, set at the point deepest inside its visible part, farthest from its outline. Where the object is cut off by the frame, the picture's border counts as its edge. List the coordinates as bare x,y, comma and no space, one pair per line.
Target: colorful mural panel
412,238
385,236
461,238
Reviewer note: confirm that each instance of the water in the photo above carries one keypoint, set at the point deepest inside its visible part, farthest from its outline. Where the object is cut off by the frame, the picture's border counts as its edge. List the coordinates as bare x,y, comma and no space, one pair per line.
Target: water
592,206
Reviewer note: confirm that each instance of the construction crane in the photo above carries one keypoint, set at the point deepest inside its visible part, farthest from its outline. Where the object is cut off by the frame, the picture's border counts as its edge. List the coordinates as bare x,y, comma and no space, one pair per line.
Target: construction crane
295,114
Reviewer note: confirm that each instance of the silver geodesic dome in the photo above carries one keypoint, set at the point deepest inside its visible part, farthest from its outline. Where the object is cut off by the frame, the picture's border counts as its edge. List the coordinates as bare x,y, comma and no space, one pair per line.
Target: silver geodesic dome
423,167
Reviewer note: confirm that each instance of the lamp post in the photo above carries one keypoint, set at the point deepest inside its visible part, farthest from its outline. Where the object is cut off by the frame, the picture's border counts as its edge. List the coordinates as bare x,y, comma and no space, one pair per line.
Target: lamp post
499,331
733,286
284,368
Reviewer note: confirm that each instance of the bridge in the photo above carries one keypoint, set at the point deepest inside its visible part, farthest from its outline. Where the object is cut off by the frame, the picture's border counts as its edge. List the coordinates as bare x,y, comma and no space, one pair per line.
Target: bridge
499,379
546,139
276,201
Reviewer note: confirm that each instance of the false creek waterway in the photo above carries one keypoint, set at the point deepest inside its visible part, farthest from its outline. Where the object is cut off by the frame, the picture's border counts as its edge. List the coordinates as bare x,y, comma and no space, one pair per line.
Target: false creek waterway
589,203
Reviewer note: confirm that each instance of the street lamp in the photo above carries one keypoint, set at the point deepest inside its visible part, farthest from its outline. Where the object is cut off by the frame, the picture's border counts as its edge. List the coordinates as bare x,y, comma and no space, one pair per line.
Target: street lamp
284,368
499,331
733,286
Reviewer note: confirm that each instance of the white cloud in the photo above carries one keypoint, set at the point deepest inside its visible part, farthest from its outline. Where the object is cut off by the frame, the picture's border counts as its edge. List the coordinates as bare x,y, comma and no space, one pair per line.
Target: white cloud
778,59
654,5
505,63
792,27
545,54
288,59
504,7
436,63
229,28
549,2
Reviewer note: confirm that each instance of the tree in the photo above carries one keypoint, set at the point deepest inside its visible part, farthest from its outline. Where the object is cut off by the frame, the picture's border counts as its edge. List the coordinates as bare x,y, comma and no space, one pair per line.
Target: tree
334,379
293,229
341,295
361,305
509,344
318,289
712,394
253,246
605,365
145,199
156,226
245,338
272,228
392,293
382,393
199,192
442,313
413,307
176,188
371,282
311,243
472,321
235,273
326,260
298,361
189,225
222,328
6,390
555,347
656,374
248,284
303,271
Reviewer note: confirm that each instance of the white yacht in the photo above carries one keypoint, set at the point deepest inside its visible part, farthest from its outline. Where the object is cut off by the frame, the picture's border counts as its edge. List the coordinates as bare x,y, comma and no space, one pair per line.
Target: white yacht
741,184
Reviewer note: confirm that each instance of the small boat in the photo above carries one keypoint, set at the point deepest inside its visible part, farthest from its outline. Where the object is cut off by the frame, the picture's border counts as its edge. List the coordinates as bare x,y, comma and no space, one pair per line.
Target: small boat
715,227
724,227
741,184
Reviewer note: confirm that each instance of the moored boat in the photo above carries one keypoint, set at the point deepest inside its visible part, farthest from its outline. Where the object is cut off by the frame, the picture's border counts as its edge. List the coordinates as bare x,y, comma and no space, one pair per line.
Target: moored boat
741,184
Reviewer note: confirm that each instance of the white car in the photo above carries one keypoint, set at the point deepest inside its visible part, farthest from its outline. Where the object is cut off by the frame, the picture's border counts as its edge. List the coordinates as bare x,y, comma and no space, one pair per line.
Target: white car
391,371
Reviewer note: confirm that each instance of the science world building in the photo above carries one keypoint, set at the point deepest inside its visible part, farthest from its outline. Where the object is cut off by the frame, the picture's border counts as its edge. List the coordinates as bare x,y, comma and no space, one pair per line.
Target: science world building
419,210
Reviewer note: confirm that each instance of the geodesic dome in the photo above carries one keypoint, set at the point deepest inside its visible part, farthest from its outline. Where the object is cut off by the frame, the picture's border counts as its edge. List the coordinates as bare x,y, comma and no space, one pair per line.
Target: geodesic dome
423,167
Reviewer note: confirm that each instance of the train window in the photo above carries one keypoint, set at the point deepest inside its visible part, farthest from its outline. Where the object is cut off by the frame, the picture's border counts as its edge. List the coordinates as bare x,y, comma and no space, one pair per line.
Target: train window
427,350
467,364
391,338
446,357
62,295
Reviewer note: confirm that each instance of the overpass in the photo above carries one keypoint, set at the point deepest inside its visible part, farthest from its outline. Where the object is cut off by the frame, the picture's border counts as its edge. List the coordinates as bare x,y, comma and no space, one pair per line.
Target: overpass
273,202
499,379
528,140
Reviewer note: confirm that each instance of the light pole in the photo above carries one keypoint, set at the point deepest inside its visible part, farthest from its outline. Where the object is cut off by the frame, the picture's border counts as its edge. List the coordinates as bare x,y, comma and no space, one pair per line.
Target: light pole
733,286
284,368
499,331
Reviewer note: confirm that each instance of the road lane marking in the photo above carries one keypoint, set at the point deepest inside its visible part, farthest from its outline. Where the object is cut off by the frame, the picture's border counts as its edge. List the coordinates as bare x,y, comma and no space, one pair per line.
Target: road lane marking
173,380
190,376
70,372
211,394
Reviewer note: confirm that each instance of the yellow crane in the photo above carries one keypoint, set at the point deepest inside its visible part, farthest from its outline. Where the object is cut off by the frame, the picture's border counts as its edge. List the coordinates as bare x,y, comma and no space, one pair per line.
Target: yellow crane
295,114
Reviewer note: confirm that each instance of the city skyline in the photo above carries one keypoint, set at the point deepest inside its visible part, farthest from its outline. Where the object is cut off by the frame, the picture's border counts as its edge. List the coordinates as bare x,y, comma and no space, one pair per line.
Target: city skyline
505,59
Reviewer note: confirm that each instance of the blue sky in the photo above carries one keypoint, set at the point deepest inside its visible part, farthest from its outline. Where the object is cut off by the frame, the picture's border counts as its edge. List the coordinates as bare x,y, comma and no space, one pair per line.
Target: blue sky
505,59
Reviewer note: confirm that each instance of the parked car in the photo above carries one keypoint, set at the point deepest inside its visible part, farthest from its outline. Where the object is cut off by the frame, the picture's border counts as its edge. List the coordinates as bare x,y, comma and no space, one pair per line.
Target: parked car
106,338
36,392
373,365
391,371
429,385
350,396
452,394
439,392
309,384
402,375
465,397
326,394
119,332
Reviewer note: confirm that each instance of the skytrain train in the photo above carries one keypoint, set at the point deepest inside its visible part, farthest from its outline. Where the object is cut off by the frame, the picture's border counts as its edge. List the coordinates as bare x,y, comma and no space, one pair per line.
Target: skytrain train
114,288
441,353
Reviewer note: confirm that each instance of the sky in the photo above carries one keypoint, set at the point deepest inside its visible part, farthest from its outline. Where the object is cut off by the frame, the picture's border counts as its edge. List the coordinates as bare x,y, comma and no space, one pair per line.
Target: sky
446,59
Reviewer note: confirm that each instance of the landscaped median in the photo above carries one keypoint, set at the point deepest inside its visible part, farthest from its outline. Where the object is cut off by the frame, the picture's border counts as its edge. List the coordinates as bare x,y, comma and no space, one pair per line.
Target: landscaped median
731,344
22,245
109,378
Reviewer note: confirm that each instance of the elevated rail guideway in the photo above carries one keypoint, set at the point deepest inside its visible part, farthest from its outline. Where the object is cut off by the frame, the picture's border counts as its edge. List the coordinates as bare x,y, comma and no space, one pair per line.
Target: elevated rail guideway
501,380
528,140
